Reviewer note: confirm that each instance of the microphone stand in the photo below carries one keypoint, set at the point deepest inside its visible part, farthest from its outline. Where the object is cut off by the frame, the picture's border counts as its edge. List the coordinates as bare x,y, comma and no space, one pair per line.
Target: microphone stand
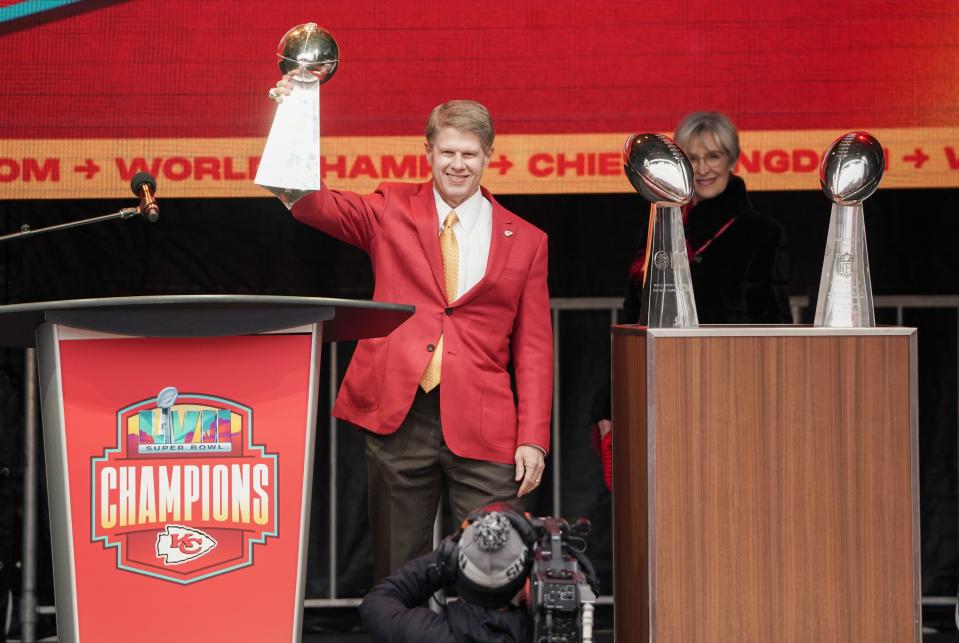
29,598
27,231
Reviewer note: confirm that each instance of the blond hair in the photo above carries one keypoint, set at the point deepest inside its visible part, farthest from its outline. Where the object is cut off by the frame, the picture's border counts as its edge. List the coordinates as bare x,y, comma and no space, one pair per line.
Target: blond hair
715,123
465,116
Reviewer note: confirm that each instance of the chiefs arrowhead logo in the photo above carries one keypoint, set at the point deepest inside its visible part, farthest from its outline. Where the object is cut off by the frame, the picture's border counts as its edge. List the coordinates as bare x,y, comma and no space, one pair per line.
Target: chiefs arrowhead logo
177,544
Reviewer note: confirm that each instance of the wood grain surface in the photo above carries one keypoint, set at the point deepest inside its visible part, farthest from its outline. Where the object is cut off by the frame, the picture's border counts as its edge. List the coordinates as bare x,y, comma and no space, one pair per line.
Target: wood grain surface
763,489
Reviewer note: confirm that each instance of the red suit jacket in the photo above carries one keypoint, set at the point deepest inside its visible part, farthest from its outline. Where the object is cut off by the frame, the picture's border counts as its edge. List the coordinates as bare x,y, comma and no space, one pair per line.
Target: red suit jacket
503,317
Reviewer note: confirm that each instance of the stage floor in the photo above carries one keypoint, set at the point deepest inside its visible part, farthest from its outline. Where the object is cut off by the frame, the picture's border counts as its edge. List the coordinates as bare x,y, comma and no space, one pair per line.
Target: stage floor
599,637
319,621
604,636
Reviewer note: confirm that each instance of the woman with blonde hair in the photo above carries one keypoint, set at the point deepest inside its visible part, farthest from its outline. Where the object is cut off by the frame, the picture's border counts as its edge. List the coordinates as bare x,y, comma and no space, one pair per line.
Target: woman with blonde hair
737,256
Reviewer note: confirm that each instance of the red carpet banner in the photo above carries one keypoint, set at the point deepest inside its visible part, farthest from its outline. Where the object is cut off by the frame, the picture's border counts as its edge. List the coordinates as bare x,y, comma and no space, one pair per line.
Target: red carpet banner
95,91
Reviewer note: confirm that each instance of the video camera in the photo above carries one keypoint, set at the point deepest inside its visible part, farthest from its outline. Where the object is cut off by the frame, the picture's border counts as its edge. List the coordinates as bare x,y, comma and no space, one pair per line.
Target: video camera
563,583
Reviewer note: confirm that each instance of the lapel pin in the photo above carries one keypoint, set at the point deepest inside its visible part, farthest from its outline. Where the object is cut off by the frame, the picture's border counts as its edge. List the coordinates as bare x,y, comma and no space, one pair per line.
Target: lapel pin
508,233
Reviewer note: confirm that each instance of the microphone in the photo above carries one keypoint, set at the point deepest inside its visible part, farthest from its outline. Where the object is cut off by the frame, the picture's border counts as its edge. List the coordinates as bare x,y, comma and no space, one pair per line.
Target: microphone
145,186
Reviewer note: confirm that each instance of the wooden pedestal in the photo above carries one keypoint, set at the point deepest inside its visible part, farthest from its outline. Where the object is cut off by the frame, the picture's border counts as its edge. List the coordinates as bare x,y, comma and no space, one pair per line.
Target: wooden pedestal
765,485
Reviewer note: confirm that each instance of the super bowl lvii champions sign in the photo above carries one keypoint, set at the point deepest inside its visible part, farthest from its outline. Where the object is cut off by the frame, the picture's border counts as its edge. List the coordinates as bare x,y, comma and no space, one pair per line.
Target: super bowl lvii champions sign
186,494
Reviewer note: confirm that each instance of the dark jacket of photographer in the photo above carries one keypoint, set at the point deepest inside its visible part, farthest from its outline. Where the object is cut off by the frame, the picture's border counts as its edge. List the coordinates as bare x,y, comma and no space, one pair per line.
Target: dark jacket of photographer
392,612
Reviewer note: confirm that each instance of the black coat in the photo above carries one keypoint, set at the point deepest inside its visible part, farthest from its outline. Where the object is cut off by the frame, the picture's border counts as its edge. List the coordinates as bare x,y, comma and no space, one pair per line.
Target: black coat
740,277
739,274
392,612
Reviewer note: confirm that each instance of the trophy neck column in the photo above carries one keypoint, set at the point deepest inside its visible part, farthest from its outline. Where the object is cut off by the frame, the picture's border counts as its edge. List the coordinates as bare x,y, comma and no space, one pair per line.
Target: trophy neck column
668,300
845,288
290,165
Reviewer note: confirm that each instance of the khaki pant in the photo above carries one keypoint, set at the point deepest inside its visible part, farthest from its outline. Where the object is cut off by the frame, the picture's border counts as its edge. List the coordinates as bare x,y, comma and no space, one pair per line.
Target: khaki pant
409,470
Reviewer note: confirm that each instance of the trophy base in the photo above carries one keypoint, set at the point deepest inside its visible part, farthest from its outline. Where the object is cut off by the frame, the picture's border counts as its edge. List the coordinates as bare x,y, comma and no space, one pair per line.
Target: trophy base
288,196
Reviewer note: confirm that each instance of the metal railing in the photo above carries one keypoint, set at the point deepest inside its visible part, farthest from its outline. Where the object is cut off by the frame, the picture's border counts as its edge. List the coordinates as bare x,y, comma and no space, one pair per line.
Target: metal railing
898,303
798,304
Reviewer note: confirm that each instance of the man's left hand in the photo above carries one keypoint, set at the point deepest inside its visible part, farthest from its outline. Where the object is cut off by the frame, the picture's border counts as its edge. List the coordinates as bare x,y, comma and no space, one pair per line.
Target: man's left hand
530,463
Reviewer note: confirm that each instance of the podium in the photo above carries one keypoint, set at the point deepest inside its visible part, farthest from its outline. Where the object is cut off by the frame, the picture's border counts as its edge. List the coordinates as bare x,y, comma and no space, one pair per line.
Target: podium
179,435
765,485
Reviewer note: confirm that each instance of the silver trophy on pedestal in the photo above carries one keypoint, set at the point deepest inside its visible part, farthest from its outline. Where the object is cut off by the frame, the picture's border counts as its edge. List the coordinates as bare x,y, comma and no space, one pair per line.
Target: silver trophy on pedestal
290,164
850,172
662,174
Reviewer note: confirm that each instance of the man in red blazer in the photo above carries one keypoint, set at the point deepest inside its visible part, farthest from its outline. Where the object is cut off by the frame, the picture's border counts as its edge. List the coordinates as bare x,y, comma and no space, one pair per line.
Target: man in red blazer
469,436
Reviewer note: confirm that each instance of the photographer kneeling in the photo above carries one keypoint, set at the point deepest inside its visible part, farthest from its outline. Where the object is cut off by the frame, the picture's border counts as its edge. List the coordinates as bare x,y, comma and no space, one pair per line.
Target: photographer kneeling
487,562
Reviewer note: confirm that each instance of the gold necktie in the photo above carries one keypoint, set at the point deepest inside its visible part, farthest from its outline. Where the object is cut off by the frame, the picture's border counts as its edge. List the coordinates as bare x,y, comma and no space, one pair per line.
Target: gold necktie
451,270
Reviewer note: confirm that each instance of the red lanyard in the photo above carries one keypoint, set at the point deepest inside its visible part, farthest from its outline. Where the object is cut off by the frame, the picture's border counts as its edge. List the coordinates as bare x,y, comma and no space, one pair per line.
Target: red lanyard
690,253
701,249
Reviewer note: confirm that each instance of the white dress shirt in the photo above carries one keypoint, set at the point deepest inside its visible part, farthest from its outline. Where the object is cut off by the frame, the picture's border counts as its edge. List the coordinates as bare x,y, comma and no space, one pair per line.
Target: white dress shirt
473,231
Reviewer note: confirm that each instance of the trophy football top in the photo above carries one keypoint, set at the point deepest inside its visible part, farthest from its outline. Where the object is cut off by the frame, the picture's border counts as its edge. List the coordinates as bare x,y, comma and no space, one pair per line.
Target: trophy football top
658,168
309,52
851,168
